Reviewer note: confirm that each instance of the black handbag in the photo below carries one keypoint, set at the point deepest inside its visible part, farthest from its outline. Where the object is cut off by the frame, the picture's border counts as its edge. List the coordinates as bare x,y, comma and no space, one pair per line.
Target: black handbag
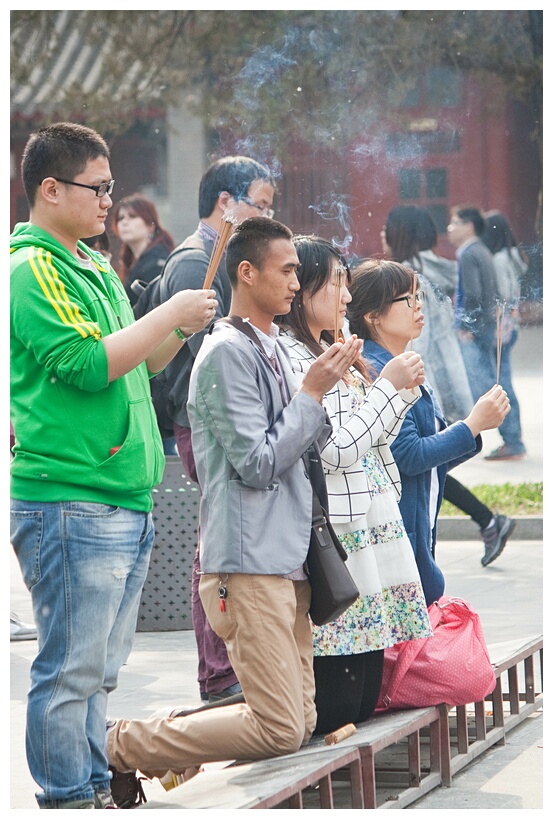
333,589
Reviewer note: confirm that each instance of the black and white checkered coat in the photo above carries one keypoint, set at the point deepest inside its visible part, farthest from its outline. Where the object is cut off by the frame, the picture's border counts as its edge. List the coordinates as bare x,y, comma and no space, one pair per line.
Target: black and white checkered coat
375,424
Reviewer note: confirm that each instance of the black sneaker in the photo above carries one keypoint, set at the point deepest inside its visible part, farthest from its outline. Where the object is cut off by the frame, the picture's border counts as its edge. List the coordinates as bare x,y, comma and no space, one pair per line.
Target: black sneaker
495,537
126,789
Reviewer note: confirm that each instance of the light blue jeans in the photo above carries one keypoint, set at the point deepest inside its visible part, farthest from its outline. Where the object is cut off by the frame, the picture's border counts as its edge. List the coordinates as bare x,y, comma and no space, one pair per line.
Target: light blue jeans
479,355
510,430
85,565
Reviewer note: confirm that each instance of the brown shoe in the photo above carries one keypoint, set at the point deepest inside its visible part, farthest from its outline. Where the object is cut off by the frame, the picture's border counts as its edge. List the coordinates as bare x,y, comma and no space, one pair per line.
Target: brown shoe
126,788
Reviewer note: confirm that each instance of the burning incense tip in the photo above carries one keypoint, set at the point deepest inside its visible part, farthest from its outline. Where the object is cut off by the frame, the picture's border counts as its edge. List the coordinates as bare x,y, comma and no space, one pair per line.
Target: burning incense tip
342,733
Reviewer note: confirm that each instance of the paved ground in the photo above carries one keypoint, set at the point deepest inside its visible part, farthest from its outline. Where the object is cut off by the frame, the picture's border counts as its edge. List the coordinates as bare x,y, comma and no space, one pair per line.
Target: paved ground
507,594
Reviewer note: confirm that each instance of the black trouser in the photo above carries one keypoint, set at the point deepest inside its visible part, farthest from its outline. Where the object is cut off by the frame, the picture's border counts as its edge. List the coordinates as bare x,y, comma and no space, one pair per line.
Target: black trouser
463,499
346,688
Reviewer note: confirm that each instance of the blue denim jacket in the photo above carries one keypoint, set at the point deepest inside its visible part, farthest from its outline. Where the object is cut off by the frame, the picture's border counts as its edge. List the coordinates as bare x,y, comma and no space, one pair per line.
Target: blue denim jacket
424,442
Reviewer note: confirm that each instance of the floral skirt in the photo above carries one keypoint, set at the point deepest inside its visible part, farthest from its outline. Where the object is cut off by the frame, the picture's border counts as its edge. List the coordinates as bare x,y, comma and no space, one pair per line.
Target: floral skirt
391,607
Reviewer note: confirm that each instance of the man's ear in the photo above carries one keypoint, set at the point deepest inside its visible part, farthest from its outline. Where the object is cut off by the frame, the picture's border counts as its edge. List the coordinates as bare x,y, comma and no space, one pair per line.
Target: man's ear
246,273
222,202
49,190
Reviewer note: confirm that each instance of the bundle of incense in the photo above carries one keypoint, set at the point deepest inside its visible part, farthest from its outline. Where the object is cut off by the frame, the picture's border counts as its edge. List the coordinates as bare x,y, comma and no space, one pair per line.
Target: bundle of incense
342,733
413,309
499,319
217,253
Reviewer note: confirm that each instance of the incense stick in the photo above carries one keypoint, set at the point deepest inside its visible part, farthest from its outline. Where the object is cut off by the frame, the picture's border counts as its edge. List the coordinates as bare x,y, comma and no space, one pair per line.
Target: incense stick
499,319
337,296
413,309
217,253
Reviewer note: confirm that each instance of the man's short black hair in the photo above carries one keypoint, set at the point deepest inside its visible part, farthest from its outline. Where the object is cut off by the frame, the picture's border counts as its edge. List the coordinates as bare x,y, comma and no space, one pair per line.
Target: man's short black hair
251,242
233,174
61,150
470,213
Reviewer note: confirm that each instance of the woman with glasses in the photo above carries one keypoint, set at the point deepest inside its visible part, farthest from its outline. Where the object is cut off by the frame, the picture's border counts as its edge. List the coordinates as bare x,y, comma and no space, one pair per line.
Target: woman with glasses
145,243
363,488
384,312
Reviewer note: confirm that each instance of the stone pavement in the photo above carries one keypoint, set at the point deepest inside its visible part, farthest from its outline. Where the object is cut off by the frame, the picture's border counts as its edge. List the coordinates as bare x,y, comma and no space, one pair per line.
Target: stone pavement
161,669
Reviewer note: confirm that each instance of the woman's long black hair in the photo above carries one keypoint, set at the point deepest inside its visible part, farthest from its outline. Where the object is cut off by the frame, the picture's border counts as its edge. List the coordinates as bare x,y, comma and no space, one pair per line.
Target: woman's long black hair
316,256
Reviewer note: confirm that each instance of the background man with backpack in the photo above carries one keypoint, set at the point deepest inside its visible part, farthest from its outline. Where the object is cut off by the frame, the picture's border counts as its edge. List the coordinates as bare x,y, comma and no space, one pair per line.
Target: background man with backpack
235,187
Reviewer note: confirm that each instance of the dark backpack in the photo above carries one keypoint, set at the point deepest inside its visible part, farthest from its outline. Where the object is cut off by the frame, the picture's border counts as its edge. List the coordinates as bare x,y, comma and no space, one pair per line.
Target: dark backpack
149,297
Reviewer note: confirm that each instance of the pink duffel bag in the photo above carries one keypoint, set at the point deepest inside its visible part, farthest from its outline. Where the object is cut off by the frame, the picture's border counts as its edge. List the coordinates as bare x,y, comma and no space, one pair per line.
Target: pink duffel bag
453,666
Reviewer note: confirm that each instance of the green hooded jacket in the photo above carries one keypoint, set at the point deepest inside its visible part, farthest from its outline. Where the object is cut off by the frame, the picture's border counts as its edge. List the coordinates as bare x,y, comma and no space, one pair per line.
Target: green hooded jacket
77,436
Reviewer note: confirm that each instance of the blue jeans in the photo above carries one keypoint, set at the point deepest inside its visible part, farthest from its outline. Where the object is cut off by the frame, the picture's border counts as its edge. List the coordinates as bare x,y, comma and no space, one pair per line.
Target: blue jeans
510,430
479,355
85,565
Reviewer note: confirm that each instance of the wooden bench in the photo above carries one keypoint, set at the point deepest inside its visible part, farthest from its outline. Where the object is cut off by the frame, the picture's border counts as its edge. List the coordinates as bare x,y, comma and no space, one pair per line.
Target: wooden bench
270,782
391,761
469,731
267,782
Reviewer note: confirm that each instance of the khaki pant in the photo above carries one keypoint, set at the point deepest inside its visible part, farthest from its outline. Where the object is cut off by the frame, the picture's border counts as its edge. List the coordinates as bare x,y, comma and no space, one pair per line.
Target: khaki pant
268,637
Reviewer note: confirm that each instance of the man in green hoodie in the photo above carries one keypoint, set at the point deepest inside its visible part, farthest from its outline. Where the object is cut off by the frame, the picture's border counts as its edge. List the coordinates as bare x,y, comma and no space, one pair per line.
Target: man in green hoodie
87,453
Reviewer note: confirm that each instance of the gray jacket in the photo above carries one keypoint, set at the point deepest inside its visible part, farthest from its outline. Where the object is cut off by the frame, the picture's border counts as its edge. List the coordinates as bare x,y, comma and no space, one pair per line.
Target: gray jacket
256,504
477,291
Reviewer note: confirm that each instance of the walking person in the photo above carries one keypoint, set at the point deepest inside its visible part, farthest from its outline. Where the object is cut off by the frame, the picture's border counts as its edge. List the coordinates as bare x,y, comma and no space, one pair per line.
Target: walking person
510,266
386,310
86,454
475,297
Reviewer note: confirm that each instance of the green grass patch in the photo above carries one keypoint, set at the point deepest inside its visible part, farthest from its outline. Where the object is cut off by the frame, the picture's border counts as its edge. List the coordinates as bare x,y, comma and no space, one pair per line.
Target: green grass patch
507,498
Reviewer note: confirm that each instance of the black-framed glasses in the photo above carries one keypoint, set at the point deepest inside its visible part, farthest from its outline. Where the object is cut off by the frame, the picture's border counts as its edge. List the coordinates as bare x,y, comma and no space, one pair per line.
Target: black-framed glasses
99,190
419,296
263,210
